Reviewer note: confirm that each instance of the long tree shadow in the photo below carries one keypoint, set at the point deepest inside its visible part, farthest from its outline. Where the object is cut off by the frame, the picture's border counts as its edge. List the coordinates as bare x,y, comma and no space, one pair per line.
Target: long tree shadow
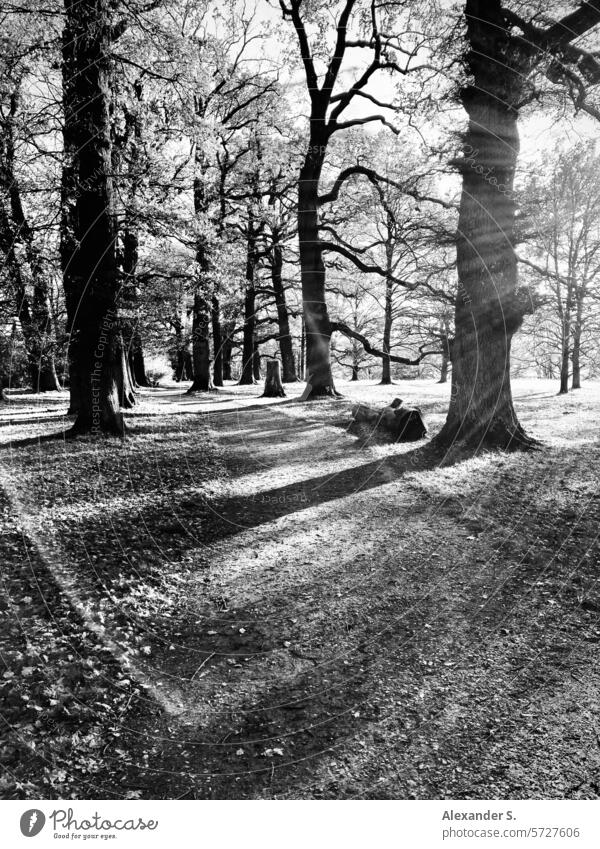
54,437
185,522
308,712
241,512
248,408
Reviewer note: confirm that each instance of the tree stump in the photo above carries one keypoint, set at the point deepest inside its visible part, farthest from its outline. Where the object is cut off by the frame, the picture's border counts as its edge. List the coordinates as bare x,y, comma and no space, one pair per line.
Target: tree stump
402,424
273,384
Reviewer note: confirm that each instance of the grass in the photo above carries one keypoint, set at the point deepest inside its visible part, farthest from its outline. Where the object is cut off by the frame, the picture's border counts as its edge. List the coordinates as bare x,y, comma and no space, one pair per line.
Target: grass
242,600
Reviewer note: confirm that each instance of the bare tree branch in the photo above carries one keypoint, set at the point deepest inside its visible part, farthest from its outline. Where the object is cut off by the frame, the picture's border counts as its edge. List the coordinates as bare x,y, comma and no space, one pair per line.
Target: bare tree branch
376,179
376,352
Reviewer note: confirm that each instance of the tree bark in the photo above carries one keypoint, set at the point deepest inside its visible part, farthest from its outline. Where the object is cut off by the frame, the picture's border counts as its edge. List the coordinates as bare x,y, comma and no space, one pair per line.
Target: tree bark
283,319
132,141
319,377
577,333
566,322
90,271
302,349
203,381
386,371
229,328
217,341
179,372
446,344
273,385
188,365
201,321
256,360
181,360
487,312
565,352
132,340
137,362
125,382
68,196
444,369
247,377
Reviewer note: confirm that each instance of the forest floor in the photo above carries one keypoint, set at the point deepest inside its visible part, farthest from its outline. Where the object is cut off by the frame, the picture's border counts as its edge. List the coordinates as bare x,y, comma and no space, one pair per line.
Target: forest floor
242,599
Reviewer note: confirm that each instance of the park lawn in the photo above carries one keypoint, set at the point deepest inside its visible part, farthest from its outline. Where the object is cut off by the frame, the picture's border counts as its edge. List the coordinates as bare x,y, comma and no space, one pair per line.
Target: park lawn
244,600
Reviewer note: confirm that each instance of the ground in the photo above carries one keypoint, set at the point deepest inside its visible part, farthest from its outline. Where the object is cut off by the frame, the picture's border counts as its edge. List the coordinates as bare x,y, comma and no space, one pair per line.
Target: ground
243,599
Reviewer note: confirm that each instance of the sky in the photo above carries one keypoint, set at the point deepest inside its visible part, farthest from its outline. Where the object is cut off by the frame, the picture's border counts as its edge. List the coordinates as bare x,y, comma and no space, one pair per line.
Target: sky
540,132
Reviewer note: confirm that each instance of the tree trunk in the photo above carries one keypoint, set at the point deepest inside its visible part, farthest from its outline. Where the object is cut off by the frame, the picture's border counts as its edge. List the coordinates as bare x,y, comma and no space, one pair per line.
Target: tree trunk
565,351
566,323
283,319
201,321
68,196
576,378
273,384
217,342
40,341
180,356
577,332
354,377
188,365
247,377
129,358
302,349
203,381
137,361
90,269
444,370
125,382
386,372
129,158
228,350
74,400
487,312
319,378
255,361
129,326
99,377
179,368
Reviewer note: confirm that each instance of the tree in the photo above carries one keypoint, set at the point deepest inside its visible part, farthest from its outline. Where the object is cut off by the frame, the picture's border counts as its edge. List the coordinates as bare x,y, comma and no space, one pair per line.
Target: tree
490,307
27,270
201,353
130,160
280,230
398,236
326,109
562,210
248,375
354,304
89,233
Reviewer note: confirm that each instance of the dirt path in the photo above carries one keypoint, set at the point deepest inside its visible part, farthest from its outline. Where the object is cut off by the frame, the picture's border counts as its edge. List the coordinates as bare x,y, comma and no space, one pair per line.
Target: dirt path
328,618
